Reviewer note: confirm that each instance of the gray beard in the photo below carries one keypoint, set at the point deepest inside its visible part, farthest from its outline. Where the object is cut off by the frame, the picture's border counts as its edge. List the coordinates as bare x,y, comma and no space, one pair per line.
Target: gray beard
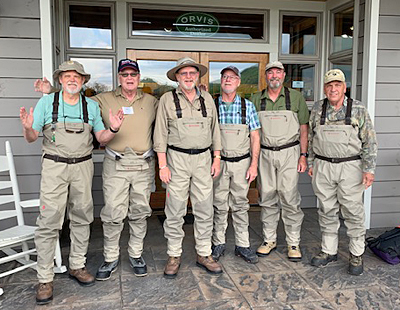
274,84
72,92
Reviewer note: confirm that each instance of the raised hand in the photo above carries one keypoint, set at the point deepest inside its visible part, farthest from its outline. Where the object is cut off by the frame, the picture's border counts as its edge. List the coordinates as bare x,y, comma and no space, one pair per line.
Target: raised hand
26,119
116,120
42,86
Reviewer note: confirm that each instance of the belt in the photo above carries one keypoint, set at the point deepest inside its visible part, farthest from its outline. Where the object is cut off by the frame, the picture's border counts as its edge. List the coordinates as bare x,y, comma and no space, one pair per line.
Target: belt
59,159
278,148
235,159
188,151
338,160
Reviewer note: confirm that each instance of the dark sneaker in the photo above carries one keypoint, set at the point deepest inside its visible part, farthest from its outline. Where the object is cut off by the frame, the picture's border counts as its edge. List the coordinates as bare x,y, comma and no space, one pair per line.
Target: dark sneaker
322,259
356,265
172,267
294,253
139,266
218,251
83,277
247,254
106,269
209,264
265,248
44,293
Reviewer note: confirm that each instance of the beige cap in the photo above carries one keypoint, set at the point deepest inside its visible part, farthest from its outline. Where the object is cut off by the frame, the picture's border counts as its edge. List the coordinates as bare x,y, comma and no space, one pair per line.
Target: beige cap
185,62
274,64
71,65
334,75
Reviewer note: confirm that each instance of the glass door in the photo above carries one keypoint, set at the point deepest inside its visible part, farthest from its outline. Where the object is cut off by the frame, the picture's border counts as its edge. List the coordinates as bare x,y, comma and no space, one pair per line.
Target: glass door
155,64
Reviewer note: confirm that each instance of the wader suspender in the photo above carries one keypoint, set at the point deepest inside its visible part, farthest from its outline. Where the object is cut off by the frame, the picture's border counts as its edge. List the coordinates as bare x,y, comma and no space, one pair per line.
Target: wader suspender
179,109
54,115
348,112
243,102
287,99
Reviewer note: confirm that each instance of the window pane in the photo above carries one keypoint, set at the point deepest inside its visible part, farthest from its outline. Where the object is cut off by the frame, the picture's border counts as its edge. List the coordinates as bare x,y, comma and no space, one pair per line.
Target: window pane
347,73
101,74
298,35
176,23
343,30
90,27
153,76
249,77
301,77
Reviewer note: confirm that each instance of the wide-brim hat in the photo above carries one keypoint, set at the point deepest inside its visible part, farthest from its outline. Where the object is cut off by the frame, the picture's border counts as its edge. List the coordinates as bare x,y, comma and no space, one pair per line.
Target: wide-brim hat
185,62
71,65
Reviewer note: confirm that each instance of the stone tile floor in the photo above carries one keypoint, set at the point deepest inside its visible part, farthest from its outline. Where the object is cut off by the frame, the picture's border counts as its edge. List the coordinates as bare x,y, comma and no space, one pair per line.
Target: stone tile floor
273,283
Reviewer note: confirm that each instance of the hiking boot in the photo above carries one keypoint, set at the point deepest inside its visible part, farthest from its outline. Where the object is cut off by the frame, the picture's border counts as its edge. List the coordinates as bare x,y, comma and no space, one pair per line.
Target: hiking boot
209,264
106,269
294,253
356,265
81,275
266,248
218,251
247,254
322,259
139,266
44,293
172,267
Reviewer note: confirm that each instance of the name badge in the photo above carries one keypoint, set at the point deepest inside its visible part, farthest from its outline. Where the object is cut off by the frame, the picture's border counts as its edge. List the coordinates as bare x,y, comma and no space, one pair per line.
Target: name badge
127,110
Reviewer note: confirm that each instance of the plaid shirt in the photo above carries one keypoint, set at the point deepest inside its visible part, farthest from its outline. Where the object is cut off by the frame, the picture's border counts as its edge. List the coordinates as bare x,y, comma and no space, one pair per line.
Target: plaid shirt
232,114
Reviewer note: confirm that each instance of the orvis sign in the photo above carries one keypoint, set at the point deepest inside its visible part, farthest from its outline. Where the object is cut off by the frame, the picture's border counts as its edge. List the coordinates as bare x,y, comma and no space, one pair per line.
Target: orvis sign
197,24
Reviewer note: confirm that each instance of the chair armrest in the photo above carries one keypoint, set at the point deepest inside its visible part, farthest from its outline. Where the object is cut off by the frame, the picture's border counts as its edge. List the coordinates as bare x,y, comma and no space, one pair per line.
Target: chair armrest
30,203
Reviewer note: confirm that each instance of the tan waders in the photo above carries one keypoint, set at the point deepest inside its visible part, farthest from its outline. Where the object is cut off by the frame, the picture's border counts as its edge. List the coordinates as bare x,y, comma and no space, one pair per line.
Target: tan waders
277,172
231,186
337,182
127,181
190,164
67,172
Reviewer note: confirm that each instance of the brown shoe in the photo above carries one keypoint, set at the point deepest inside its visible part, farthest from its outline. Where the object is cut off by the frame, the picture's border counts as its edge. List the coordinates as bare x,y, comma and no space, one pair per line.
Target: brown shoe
44,293
209,264
83,277
172,267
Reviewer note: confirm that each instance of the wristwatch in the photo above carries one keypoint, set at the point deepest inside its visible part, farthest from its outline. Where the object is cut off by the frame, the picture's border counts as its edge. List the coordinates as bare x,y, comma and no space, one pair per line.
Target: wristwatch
304,154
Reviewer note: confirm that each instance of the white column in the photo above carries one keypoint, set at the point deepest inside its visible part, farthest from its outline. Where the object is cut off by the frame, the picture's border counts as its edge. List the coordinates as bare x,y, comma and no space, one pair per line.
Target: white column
370,49
46,39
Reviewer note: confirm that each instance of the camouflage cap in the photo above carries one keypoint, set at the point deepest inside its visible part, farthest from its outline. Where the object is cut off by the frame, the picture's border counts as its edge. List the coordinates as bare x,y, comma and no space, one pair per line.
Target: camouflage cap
274,64
334,75
71,65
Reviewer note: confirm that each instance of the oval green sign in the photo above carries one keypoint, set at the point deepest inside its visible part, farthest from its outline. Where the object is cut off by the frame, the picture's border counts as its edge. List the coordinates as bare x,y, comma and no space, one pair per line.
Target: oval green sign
196,24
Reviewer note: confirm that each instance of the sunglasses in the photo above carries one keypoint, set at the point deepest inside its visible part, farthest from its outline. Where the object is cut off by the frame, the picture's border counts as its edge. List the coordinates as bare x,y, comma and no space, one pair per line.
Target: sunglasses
133,74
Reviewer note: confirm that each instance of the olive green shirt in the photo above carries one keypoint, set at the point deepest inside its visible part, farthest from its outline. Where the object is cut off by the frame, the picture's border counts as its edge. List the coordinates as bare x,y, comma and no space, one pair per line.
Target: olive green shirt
297,104
359,118
137,128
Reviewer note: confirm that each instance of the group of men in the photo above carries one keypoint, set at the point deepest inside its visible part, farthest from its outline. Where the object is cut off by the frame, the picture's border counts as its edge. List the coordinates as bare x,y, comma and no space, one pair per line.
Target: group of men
265,137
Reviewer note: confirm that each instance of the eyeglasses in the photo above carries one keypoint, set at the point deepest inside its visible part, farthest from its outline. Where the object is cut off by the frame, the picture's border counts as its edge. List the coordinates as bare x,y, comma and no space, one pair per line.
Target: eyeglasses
190,73
232,77
133,74
73,127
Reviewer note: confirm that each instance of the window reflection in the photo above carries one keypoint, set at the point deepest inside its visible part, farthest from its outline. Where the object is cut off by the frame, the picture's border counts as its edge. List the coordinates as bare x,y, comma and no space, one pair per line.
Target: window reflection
347,73
249,78
90,27
343,30
301,78
101,71
299,34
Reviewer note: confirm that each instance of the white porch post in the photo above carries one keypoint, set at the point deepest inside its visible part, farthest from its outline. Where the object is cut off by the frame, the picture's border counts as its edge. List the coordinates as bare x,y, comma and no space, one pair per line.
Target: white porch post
370,48
46,39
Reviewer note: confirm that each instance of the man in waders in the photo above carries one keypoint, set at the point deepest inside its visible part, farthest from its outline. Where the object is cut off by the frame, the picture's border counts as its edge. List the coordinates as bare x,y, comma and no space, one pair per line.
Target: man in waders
343,151
284,116
186,129
128,168
239,124
66,119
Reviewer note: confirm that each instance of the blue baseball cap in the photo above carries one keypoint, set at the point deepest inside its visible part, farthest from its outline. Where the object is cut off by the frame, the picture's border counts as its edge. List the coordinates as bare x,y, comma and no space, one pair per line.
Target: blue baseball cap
127,63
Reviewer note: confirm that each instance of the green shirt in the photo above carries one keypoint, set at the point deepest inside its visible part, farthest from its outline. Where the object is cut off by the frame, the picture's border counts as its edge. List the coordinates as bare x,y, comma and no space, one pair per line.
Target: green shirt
297,104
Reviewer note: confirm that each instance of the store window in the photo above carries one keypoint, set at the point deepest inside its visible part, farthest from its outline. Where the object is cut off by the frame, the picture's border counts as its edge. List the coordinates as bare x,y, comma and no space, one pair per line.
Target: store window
90,41
343,30
302,78
90,26
197,23
299,35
